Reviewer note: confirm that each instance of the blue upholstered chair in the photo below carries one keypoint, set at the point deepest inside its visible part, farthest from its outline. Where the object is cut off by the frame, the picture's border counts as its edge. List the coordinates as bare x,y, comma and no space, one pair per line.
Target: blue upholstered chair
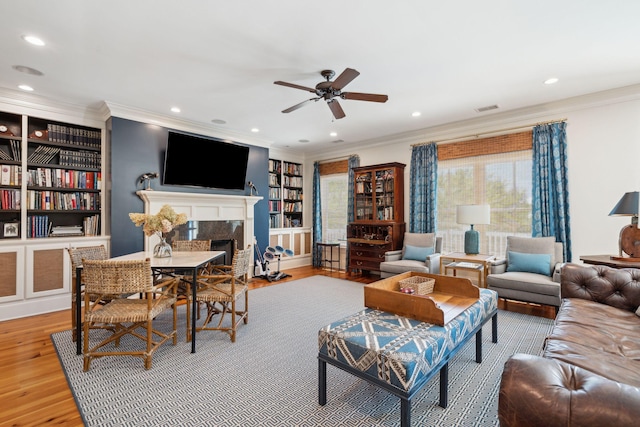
420,253
530,271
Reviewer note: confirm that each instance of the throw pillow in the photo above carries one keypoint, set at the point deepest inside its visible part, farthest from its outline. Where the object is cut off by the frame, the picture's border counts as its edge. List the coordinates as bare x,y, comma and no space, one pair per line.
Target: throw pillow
529,263
638,311
534,245
417,253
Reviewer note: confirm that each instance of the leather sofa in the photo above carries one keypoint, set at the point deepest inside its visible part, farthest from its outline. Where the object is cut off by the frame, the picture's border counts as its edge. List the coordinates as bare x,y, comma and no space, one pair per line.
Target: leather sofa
589,373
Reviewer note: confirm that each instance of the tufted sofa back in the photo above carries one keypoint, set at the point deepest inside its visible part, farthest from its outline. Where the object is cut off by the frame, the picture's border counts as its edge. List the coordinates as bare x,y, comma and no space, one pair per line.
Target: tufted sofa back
612,286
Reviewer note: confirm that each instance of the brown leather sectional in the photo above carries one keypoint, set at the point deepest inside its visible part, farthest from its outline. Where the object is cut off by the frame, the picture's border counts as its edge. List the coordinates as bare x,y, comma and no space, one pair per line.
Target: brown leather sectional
589,374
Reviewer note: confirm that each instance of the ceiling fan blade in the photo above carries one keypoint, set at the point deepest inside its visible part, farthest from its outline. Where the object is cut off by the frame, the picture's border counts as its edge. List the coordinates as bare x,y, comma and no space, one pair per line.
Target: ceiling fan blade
345,78
302,104
308,89
364,96
336,109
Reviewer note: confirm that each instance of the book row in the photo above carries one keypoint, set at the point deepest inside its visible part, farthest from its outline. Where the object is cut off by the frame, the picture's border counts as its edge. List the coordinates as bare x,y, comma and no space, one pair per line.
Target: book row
73,136
293,206
67,201
80,159
292,169
290,194
293,181
10,200
275,205
10,175
62,178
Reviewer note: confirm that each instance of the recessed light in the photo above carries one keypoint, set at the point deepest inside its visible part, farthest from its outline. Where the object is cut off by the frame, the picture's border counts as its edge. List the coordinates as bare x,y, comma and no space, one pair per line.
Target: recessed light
26,88
218,121
416,114
333,134
27,70
36,41
551,81
255,130
303,141
175,109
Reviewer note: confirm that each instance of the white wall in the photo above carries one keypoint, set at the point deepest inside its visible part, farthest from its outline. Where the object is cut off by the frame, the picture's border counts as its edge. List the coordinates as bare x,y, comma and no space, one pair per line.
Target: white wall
603,135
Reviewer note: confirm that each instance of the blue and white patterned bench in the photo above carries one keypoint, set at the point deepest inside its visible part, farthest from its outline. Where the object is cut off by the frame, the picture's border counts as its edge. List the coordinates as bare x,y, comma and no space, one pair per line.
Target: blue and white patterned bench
400,354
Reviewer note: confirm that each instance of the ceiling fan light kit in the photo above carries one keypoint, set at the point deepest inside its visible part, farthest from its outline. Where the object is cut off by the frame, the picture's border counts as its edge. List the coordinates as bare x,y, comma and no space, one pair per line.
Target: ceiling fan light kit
330,91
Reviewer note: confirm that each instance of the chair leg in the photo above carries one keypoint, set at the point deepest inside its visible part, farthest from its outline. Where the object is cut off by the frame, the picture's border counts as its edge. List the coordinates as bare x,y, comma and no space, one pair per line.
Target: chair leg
233,320
147,356
85,339
174,307
246,307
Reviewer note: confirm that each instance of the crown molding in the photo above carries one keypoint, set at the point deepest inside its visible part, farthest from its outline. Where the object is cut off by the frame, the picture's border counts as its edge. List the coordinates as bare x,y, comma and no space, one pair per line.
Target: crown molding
47,108
144,116
497,122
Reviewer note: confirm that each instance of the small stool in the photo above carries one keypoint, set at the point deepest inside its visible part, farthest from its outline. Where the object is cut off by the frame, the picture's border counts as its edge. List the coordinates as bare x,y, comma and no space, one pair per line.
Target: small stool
322,246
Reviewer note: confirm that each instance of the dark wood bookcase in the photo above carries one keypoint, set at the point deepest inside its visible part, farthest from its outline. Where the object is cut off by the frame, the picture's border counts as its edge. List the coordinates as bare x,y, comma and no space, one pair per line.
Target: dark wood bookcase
378,224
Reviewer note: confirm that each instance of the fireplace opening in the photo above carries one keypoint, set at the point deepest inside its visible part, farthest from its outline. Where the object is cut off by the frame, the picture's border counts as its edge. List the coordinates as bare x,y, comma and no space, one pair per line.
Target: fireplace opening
224,235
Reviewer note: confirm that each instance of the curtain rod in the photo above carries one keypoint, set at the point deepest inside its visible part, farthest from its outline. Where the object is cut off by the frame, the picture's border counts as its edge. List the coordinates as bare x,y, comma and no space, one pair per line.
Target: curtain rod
337,158
489,132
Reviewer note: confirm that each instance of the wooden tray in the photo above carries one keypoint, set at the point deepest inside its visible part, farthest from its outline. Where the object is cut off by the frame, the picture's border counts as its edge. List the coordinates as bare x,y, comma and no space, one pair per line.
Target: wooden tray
450,297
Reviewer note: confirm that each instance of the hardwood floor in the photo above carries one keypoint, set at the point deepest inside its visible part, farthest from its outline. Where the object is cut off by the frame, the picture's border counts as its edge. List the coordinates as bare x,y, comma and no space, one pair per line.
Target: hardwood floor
33,387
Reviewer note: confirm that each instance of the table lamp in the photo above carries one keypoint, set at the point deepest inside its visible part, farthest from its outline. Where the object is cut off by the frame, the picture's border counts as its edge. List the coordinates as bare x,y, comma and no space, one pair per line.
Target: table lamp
629,205
472,214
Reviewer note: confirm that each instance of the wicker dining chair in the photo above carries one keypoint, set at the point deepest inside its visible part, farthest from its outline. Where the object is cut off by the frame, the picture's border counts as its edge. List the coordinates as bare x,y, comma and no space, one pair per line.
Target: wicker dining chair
76,255
221,291
127,315
184,287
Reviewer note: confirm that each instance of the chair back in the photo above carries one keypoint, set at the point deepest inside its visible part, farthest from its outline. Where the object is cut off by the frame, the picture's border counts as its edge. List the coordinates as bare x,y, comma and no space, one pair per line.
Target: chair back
241,262
191,245
422,240
85,252
537,245
116,277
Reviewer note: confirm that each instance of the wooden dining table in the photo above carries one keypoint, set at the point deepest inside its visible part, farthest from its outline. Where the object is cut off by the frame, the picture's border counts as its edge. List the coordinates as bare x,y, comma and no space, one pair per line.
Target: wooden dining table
187,262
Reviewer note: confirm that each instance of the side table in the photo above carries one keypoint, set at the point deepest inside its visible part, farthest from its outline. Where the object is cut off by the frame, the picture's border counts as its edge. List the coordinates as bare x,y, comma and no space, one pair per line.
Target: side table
608,261
479,263
322,246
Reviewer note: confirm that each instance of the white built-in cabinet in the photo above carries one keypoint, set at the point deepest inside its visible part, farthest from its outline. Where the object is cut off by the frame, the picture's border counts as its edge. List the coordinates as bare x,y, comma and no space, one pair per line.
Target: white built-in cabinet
50,199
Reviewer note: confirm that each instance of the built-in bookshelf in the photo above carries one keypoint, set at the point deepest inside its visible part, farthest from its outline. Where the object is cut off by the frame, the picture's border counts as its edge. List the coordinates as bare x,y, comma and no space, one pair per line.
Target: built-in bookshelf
275,193
62,169
285,194
64,178
292,194
10,175
51,199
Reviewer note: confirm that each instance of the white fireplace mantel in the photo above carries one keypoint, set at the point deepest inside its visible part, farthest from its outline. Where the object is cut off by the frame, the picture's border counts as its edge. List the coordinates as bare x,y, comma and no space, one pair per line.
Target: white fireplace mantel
202,207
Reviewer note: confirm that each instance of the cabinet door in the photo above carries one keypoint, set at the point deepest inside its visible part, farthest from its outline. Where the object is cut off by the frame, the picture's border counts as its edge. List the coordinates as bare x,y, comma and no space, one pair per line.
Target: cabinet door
48,270
11,273
364,196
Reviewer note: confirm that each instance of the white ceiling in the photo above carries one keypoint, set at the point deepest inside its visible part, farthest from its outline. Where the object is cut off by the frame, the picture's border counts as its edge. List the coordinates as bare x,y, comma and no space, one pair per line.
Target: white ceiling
218,59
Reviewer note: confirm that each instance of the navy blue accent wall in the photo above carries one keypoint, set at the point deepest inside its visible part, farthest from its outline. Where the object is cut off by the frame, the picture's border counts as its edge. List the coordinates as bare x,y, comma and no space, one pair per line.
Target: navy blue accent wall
138,148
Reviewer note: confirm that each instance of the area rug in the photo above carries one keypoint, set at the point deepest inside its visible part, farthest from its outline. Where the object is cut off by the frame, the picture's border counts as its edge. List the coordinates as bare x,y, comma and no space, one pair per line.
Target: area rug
268,377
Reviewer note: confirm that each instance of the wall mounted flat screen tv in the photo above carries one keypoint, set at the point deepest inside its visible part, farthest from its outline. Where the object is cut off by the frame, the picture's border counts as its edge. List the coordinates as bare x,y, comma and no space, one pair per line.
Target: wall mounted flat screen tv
201,162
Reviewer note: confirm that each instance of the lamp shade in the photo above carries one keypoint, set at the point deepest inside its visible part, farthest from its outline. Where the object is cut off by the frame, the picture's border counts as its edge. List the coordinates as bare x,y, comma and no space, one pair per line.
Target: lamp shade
629,205
473,214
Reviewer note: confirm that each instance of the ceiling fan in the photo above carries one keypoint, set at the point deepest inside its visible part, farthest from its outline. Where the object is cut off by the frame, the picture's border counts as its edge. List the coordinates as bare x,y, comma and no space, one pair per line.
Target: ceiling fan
330,91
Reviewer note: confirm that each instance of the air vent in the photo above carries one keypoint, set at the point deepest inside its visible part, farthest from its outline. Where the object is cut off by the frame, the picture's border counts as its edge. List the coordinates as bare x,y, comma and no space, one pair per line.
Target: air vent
487,108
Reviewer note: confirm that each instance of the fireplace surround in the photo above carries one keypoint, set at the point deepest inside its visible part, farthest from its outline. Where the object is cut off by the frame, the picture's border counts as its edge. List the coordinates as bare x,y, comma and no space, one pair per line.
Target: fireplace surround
218,217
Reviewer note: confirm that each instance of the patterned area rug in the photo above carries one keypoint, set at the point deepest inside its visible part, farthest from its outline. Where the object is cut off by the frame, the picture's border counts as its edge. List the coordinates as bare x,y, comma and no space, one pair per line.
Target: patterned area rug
268,377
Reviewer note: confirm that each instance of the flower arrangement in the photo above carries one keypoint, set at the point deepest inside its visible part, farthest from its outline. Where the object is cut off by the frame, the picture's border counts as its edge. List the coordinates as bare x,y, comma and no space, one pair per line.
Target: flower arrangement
162,222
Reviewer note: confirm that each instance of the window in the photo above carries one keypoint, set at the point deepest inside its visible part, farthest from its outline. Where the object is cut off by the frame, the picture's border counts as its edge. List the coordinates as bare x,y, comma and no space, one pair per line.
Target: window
334,195
499,179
